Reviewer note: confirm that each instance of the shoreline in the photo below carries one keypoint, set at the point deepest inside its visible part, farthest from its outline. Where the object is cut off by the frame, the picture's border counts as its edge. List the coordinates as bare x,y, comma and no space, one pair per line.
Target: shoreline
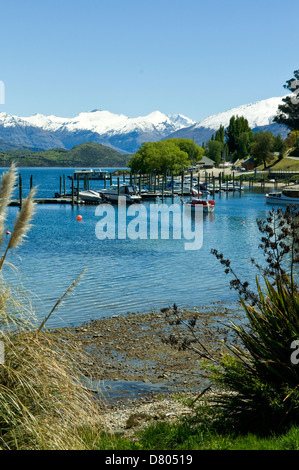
139,367
138,355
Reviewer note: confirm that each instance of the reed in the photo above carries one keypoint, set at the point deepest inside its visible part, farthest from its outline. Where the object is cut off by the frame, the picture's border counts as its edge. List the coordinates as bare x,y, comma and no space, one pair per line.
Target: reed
43,400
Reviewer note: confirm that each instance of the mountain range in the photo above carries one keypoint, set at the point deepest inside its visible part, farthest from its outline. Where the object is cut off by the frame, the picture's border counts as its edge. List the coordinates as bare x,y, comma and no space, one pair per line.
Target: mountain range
125,134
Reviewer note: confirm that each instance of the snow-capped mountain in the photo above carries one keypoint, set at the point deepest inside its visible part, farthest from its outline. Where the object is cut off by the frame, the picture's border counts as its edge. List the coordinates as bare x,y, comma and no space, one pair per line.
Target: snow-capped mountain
126,134
260,116
116,130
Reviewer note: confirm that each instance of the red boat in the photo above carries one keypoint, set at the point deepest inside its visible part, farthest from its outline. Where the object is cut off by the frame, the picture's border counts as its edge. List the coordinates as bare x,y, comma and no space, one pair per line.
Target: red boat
207,205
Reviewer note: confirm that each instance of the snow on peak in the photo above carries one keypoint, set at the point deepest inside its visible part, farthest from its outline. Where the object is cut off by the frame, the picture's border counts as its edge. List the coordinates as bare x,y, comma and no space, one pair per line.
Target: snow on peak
260,113
103,122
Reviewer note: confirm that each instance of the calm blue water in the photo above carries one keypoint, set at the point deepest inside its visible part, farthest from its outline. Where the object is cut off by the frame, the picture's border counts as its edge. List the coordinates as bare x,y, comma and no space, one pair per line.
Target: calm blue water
129,275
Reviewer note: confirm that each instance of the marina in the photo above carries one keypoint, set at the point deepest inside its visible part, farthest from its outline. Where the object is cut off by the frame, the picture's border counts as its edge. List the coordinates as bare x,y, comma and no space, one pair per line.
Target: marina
128,275
90,186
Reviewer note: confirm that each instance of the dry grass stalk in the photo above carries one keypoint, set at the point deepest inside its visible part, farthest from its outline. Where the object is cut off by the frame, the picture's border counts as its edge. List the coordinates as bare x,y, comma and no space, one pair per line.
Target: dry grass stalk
43,401
23,221
8,182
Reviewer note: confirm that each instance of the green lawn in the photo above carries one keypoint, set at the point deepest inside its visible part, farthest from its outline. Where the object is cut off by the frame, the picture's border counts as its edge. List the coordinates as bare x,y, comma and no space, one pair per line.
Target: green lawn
286,164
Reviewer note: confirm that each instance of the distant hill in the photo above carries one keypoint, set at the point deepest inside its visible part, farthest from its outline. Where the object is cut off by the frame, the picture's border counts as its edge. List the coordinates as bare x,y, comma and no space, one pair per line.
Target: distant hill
88,154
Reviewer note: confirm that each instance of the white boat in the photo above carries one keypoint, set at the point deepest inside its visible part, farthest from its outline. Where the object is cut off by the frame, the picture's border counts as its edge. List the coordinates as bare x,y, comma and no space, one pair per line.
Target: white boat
289,195
177,188
207,204
90,174
90,196
111,194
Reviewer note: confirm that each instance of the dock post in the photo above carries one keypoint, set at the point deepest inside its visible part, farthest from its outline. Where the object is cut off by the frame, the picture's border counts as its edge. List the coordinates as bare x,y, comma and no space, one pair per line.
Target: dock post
105,182
31,182
60,186
172,188
72,192
182,184
20,189
118,187
64,185
111,179
213,186
78,188
140,184
154,182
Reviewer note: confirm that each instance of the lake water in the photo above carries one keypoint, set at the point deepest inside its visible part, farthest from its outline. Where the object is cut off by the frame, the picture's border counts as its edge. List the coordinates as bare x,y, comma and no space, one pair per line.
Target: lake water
129,275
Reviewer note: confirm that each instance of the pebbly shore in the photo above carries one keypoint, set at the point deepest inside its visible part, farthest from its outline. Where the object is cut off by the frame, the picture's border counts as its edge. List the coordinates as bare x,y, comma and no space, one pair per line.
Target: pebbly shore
139,364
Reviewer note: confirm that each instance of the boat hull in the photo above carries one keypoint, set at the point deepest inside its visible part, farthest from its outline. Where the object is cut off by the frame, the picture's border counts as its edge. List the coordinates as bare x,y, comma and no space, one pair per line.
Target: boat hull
207,206
281,199
90,196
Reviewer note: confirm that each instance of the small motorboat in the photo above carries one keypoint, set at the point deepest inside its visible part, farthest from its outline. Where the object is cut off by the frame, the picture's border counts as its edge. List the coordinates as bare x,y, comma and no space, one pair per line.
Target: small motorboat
90,196
207,204
126,190
289,195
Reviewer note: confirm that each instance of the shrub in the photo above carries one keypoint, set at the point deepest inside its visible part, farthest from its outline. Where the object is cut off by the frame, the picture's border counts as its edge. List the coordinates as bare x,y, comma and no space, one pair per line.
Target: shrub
259,383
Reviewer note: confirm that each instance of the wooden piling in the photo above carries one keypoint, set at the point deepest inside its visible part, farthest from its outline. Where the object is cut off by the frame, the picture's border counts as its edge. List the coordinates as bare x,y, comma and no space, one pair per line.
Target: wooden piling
73,192
172,182
78,188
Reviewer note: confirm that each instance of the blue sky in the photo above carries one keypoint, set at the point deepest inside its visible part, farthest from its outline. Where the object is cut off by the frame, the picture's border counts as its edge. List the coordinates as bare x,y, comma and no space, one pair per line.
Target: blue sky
133,57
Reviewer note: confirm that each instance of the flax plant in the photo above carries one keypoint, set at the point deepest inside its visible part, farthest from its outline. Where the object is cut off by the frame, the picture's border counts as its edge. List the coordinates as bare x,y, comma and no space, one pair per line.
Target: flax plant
259,380
43,400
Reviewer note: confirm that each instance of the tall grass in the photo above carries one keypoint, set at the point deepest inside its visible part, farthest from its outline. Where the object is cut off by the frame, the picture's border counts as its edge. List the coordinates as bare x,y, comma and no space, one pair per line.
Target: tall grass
43,402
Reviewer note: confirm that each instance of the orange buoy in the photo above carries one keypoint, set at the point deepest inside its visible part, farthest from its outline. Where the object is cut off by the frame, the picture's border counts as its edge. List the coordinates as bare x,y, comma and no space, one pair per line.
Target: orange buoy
79,217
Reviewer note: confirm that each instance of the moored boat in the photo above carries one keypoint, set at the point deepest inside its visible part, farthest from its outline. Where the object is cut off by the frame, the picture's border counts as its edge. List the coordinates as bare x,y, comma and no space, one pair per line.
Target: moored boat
207,204
125,190
288,195
90,174
90,196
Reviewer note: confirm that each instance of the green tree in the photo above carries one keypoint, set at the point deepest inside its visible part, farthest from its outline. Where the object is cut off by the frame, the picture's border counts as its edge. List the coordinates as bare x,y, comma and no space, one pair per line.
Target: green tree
237,126
288,111
214,150
262,147
244,143
194,151
158,157
279,145
219,135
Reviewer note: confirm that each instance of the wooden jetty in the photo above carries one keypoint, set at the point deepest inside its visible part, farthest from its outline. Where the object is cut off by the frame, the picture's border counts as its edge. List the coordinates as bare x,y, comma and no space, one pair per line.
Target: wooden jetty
157,186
